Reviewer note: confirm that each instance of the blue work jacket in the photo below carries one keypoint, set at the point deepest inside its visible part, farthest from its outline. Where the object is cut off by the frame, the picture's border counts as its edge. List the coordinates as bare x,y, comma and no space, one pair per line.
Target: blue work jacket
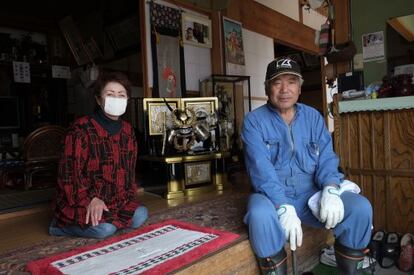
287,162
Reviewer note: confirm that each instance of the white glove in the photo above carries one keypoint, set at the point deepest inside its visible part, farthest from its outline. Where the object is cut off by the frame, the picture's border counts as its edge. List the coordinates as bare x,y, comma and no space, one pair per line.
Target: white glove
291,224
332,207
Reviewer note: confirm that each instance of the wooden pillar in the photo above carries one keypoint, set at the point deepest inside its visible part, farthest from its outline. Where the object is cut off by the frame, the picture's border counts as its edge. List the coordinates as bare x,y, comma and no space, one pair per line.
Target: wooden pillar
217,54
342,30
144,61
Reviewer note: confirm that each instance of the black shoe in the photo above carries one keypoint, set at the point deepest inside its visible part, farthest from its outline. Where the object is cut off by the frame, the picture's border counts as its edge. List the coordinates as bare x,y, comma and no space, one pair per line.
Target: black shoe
390,250
377,243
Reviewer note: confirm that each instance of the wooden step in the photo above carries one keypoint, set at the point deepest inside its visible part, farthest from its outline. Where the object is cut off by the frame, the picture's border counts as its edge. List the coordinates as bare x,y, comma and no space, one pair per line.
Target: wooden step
239,257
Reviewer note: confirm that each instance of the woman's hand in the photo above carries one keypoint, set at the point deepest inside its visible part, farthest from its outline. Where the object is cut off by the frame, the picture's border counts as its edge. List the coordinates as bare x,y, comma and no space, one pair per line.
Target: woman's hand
95,210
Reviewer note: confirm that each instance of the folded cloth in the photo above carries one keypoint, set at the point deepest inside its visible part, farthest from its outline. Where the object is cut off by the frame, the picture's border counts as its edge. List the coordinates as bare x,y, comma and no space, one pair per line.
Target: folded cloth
345,186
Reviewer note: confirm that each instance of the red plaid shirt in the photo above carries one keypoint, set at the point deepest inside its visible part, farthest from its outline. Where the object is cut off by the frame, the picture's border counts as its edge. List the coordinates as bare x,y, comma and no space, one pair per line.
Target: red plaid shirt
96,164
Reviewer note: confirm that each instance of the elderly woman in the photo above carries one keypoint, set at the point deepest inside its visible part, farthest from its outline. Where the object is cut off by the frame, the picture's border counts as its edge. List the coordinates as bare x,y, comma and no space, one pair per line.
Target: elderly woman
97,191
289,158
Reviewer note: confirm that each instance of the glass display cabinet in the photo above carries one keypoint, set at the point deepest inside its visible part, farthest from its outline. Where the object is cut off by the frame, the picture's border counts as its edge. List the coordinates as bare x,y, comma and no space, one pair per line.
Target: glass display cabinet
234,100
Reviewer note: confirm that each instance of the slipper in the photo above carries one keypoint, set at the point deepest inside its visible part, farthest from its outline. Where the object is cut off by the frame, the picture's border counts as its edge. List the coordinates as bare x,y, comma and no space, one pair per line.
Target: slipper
376,244
390,251
406,259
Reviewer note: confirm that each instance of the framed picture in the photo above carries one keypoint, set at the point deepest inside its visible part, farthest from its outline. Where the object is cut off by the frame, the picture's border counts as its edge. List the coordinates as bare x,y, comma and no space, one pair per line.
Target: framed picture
73,37
159,115
233,42
196,30
202,106
224,91
197,172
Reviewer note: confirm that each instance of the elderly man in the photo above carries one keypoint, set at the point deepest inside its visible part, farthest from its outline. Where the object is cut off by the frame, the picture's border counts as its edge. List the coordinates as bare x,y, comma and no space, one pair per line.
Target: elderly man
289,158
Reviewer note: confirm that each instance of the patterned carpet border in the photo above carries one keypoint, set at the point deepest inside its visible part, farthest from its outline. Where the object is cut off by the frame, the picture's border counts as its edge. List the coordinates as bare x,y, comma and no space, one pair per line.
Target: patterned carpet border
224,212
198,242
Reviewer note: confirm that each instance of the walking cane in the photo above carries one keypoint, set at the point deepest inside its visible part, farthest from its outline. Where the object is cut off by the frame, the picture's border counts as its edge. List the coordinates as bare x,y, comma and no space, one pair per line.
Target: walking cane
294,262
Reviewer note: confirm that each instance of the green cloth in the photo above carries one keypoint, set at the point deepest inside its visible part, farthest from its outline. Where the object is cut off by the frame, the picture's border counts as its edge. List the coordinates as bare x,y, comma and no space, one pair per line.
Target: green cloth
379,104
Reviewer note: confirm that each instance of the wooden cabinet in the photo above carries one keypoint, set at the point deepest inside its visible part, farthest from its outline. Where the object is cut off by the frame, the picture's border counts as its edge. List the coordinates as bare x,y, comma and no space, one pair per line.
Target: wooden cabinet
375,142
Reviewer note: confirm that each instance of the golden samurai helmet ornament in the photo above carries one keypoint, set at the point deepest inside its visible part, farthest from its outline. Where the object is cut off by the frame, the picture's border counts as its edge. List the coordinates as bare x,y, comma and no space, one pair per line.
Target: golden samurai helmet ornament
185,129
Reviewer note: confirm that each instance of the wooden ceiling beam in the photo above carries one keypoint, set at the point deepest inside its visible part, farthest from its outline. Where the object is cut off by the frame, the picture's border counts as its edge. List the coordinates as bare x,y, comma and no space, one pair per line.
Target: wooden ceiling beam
261,19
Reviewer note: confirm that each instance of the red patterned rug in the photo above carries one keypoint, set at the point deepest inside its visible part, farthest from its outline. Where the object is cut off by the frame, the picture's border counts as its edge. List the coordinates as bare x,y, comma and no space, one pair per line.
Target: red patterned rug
155,249
224,212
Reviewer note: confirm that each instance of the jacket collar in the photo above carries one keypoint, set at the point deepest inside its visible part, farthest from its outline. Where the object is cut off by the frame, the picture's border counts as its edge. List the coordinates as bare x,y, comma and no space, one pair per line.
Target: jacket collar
298,106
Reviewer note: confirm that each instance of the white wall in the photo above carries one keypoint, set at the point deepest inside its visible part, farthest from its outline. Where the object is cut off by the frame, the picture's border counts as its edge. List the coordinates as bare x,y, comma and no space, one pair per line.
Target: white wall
290,8
258,51
197,65
287,7
313,19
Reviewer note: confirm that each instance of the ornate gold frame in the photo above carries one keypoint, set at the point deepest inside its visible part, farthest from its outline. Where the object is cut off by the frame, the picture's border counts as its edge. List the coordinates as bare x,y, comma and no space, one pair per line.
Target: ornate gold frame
200,104
154,107
197,172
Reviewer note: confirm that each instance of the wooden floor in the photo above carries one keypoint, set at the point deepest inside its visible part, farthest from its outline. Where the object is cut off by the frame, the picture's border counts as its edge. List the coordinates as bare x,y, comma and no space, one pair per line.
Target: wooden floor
22,228
19,229
25,227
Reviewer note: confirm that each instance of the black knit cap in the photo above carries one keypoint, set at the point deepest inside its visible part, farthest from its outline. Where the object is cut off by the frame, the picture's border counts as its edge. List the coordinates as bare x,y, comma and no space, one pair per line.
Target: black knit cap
282,65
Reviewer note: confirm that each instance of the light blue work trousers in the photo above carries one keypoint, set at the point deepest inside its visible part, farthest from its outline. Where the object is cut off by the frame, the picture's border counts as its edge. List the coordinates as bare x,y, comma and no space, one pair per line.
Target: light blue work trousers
99,231
267,237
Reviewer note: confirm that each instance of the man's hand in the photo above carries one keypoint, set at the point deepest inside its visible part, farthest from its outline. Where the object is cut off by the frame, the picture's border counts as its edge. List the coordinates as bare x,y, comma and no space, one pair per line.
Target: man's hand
332,207
95,210
291,224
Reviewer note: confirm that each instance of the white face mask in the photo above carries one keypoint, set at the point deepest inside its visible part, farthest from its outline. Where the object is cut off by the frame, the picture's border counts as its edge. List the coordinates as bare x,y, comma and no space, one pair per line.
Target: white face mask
115,106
